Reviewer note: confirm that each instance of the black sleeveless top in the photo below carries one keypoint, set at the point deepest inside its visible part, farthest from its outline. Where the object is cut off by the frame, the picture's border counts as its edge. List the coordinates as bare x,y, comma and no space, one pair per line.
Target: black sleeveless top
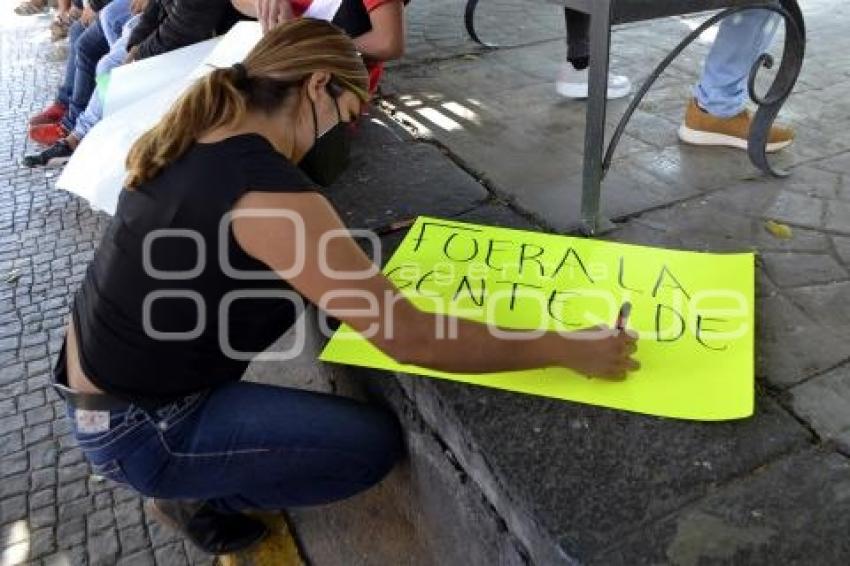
166,308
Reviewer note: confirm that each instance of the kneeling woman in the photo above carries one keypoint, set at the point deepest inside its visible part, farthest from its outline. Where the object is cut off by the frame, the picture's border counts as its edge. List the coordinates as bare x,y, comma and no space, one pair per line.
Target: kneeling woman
221,230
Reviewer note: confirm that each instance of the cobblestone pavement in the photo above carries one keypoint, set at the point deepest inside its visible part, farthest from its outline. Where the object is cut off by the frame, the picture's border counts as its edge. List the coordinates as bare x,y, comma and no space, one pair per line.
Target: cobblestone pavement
52,511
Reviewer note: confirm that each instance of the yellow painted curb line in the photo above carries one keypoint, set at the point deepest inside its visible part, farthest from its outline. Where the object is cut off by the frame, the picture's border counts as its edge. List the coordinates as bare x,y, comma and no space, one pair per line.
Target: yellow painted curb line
278,549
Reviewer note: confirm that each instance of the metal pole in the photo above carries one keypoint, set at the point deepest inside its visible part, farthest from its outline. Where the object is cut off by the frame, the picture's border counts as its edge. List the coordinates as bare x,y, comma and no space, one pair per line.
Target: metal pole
594,136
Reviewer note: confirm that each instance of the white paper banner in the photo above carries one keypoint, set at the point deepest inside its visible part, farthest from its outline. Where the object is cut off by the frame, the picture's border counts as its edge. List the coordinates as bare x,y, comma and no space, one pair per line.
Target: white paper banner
138,96
130,83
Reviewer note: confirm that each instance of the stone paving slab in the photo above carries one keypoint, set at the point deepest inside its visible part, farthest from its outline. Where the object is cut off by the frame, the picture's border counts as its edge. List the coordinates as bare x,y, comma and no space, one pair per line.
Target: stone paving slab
822,401
802,319
391,179
435,27
827,304
793,512
589,475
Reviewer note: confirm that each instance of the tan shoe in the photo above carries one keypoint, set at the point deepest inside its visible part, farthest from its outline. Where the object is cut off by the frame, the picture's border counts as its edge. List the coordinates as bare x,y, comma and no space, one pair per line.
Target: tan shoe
701,128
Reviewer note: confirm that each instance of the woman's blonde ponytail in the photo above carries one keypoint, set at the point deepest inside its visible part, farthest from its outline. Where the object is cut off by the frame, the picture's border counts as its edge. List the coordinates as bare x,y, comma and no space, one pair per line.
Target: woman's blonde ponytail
211,102
282,59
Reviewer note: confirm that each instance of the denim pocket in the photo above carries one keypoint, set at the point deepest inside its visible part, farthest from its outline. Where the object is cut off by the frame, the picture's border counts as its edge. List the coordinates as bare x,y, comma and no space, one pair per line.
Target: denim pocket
120,423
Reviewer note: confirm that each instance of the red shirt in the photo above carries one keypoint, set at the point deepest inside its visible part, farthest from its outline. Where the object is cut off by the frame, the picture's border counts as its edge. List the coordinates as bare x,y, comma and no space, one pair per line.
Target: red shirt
375,68
300,6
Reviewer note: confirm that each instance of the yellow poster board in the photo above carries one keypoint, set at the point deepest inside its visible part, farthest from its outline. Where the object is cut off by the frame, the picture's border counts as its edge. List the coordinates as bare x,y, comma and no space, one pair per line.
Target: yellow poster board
693,312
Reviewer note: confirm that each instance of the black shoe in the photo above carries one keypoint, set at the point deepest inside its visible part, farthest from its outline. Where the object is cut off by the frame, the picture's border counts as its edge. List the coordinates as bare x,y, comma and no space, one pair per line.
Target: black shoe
211,531
54,156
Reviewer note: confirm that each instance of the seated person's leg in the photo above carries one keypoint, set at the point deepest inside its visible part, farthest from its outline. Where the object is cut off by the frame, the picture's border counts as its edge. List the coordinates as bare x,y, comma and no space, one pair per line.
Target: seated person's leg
717,115
88,49
66,89
61,151
572,77
91,47
53,113
94,111
112,18
61,21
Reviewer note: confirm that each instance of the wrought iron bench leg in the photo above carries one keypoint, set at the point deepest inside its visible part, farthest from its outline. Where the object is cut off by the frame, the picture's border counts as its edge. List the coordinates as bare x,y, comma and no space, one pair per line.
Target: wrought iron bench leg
469,22
769,106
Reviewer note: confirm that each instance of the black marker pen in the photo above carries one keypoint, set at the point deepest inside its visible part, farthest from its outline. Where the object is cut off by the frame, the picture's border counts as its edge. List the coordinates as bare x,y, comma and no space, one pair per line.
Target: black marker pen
623,316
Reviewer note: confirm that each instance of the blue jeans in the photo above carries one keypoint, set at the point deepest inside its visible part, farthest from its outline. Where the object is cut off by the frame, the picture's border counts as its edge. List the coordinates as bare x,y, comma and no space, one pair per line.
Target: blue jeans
94,109
115,58
247,446
112,18
722,89
66,89
88,49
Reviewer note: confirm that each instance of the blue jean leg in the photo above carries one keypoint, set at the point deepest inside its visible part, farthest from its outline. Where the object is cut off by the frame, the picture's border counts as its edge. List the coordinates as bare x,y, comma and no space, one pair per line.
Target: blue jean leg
250,446
90,47
63,95
112,18
94,110
722,89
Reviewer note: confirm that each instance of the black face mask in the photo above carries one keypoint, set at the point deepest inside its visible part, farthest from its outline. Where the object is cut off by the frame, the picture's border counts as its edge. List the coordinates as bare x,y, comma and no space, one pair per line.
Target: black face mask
329,156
